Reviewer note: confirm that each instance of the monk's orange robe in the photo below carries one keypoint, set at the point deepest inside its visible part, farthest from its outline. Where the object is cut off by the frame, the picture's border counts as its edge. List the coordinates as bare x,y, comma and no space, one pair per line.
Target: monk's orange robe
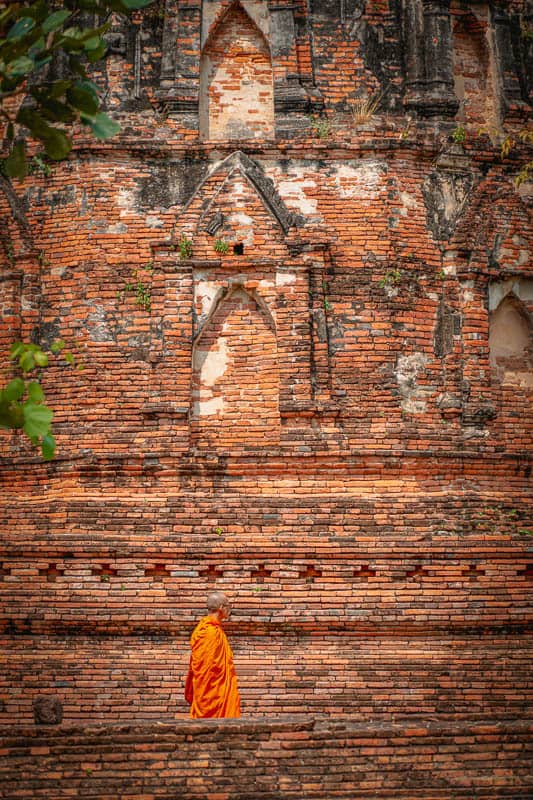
211,686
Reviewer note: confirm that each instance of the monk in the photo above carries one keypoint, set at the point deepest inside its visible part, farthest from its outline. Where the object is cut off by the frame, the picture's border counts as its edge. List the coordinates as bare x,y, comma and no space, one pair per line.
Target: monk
211,686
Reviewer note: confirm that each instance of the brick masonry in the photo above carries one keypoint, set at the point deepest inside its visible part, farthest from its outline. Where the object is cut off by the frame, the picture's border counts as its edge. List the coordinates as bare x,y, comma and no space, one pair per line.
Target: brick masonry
316,396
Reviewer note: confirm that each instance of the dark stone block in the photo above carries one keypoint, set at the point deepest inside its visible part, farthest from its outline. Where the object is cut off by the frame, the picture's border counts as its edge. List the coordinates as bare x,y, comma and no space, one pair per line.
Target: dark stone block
47,711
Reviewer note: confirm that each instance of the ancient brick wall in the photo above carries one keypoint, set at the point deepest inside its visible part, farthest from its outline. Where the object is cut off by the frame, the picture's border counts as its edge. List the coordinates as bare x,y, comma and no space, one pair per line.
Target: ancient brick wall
213,758
307,371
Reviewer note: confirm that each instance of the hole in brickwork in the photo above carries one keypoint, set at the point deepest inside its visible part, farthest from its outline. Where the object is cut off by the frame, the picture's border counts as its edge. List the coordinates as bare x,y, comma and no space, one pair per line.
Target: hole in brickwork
105,571
236,83
472,571
211,573
4,571
418,572
159,572
310,573
51,572
238,249
261,573
364,571
471,65
527,572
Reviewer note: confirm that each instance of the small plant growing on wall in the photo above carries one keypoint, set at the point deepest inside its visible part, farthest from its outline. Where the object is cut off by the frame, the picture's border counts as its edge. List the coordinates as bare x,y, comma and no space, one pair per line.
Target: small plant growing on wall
143,296
391,278
221,246
185,247
364,108
321,127
459,135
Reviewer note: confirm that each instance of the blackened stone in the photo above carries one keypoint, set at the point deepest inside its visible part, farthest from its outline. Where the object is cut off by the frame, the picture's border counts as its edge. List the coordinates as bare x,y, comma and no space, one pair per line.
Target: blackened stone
47,711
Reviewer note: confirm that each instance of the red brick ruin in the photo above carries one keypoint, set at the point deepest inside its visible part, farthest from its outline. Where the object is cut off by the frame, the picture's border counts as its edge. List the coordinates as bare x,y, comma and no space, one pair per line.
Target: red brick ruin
305,326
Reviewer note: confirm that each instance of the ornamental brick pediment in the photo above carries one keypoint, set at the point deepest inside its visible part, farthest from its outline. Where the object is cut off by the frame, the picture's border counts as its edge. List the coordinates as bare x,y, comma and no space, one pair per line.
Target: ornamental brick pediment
203,206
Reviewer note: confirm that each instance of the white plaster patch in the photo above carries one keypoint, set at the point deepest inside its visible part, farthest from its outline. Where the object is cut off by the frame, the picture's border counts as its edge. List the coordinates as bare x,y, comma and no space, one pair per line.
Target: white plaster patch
208,408
285,278
154,222
407,370
119,227
205,293
364,180
408,203
212,363
294,194
522,289
126,198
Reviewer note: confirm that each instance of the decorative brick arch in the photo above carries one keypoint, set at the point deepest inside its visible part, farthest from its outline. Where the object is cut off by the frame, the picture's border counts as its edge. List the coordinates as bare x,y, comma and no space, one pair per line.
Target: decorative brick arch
236,79
235,374
511,338
471,36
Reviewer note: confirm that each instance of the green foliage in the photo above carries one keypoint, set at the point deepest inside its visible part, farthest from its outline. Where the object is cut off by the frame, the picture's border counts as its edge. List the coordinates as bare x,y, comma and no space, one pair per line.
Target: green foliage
38,164
22,405
221,246
31,35
511,141
391,278
459,135
143,294
321,127
185,247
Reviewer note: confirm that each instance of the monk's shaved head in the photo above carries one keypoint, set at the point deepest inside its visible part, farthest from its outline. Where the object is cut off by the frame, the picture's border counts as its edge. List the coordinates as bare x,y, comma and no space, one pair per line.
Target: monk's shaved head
215,600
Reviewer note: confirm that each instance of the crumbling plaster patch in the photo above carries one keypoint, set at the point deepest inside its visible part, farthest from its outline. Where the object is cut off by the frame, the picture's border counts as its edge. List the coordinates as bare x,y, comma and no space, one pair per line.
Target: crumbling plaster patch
361,179
520,287
407,371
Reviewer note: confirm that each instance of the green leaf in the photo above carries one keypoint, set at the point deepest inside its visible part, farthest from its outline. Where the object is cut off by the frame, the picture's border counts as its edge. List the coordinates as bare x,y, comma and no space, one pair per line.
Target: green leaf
14,390
76,66
37,419
15,163
35,392
55,20
10,132
57,144
16,349
48,447
27,361
20,66
69,358
58,89
21,27
132,5
96,55
57,346
41,359
83,100
92,43
56,111
103,127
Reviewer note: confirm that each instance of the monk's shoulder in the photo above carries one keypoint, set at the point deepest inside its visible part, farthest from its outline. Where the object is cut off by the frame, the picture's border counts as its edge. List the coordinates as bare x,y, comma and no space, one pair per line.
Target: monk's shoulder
204,630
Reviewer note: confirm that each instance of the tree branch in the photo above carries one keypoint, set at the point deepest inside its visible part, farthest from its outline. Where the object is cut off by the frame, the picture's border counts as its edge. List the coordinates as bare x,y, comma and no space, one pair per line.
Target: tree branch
17,209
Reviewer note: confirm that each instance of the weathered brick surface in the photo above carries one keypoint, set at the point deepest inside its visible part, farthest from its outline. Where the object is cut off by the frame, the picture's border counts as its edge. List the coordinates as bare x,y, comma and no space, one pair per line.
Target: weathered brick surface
331,420
272,760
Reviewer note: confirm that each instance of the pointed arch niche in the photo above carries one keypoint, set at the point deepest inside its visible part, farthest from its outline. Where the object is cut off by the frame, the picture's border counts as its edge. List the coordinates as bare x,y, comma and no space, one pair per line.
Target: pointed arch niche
236,80
473,66
235,375
511,335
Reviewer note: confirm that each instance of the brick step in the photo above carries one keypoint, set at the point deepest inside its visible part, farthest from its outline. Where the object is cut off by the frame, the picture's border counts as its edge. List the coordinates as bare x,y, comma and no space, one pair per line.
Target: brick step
297,758
125,678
